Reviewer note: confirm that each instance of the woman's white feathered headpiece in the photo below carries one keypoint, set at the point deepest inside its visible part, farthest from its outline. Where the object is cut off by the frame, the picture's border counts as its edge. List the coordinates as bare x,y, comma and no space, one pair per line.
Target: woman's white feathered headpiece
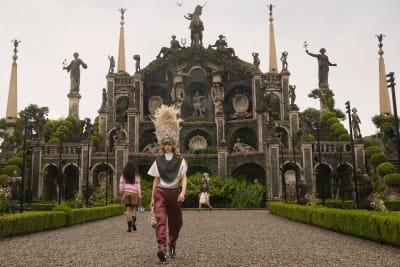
166,123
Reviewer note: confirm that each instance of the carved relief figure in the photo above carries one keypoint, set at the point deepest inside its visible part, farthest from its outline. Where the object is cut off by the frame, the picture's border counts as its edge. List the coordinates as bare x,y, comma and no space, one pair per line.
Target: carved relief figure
241,147
178,96
75,72
198,109
217,94
323,67
240,105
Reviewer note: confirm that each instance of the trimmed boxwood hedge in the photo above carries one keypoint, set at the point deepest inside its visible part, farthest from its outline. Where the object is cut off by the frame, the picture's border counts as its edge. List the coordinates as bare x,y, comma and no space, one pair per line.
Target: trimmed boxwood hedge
36,221
378,226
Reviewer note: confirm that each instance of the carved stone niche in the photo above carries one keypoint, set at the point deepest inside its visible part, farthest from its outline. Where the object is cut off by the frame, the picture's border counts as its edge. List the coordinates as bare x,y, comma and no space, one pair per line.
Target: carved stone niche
197,143
155,103
240,104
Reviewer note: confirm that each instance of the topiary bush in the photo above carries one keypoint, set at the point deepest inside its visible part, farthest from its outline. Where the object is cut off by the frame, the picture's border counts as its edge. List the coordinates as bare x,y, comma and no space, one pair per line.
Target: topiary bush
378,158
392,179
372,150
385,168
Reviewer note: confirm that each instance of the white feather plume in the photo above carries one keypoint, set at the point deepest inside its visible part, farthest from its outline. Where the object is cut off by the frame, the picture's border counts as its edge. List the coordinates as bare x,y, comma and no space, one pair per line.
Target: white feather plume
166,123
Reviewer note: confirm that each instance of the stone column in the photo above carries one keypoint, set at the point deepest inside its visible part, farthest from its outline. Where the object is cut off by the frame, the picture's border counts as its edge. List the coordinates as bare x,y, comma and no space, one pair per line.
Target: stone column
121,157
133,129
294,123
36,169
308,168
86,167
274,186
285,94
222,161
360,155
103,128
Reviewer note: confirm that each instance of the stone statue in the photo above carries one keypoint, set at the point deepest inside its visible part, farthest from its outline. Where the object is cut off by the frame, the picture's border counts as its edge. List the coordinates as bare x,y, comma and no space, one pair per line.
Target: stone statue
380,39
196,27
355,123
323,67
284,60
152,148
40,121
175,46
222,47
75,72
217,94
256,60
137,64
241,147
292,94
177,93
198,109
122,10
15,42
104,102
112,64
87,127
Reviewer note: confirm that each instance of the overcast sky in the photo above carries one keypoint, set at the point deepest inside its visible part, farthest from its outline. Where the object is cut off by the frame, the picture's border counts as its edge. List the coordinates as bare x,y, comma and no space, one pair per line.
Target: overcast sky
52,30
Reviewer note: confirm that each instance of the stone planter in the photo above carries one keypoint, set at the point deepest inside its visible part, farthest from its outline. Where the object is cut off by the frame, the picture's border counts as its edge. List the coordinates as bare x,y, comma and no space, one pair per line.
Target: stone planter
393,193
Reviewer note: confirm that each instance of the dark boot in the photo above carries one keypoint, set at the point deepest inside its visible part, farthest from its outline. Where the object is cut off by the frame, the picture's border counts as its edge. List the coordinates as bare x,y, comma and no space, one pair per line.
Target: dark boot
129,226
133,223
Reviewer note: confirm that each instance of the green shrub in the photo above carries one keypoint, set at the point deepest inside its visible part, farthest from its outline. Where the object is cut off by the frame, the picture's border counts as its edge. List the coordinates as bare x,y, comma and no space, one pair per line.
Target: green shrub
339,131
9,169
331,121
3,180
344,137
392,179
15,161
67,210
372,150
385,168
378,158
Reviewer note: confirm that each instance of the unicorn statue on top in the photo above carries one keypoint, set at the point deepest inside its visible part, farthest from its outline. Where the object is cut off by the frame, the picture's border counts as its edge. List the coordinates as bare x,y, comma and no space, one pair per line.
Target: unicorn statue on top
196,27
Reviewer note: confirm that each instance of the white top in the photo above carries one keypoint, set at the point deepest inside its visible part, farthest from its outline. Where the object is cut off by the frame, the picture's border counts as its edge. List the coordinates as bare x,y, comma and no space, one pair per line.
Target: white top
153,171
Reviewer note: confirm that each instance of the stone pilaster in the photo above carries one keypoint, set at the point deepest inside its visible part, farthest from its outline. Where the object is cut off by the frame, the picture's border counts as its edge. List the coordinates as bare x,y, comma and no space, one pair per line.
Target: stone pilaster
360,155
307,155
285,94
274,186
86,159
294,123
222,161
36,169
121,157
133,129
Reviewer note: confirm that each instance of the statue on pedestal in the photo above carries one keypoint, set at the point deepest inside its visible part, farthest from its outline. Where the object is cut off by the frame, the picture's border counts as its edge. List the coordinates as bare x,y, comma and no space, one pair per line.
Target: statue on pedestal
323,67
75,72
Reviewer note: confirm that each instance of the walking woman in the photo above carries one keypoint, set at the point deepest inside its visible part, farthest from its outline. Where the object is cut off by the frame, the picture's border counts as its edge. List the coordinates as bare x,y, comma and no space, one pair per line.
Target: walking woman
129,185
169,171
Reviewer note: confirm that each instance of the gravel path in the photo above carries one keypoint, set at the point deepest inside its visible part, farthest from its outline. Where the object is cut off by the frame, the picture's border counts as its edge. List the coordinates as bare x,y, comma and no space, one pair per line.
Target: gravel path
216,238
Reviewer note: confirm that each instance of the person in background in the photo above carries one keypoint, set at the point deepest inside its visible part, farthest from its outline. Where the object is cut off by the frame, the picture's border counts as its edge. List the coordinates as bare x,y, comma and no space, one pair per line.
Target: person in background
129,185
204,196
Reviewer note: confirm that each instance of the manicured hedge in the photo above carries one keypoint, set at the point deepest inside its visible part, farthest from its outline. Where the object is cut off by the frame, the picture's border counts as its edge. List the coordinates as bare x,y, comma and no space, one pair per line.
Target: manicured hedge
30,222
36,221
378,226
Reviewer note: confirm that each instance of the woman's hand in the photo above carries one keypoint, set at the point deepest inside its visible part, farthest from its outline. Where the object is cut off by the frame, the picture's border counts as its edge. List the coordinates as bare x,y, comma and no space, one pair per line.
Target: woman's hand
181,197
